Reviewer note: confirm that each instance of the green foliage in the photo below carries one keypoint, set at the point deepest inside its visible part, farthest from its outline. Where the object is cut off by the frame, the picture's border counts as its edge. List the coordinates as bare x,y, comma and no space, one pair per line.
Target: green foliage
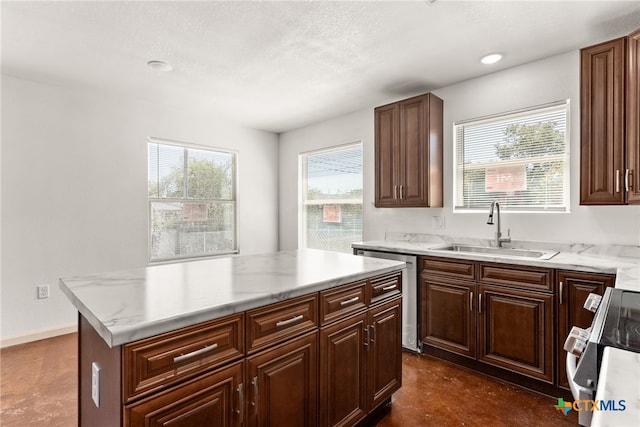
535,140
544,179
205,180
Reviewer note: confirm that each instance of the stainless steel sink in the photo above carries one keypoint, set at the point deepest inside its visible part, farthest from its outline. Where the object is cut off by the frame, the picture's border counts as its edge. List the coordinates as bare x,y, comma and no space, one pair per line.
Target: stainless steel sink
508,252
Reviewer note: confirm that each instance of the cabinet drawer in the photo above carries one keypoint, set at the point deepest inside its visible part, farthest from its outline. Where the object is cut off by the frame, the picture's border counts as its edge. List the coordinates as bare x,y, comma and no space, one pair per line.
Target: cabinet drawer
520,277
339,302
277,322
385,287
213,399
155,363
458,268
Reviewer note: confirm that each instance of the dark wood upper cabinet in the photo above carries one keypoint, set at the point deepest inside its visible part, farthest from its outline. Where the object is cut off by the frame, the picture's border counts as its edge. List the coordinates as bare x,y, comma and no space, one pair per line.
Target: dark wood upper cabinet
408,153
633,118
609,92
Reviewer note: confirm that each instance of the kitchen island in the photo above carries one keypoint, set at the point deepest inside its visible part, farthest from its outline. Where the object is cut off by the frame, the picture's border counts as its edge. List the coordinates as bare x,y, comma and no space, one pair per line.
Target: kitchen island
301,337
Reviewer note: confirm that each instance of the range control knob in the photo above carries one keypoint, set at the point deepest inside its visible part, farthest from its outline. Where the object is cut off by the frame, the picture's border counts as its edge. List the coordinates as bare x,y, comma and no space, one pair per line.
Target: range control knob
576,342
593,302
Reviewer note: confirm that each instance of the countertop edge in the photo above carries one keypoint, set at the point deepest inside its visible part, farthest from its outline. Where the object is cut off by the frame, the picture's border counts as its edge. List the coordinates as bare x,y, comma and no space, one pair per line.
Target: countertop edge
124,334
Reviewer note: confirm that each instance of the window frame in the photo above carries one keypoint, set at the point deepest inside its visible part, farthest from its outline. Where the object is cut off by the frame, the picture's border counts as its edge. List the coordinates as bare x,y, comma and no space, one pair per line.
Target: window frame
234,199
457,181
302,176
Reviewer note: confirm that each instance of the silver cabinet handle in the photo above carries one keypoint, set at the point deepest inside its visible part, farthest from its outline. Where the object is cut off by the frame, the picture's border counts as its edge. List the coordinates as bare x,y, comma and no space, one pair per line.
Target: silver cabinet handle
373,332
349,301
395,191
294,319
366,341
479,302
561,292
240,410
627,172
254,383
401,195
470,301
617,180
195,353
390,287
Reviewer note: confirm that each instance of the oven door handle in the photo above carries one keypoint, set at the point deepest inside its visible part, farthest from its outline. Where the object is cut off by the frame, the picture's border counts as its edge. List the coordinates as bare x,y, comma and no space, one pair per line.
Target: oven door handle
577,390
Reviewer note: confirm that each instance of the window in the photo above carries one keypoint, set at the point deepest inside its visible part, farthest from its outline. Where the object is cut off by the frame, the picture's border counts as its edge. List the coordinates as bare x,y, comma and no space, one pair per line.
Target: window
331,208
192,201
520,159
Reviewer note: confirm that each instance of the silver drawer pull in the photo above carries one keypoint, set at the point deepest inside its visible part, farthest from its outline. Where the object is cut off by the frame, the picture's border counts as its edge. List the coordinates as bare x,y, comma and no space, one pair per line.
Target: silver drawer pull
289,321
388,288
195,353
349,301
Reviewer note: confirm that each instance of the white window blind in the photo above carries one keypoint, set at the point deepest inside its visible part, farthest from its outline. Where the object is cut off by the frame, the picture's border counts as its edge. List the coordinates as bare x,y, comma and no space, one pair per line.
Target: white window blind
192,201
520,159
331,208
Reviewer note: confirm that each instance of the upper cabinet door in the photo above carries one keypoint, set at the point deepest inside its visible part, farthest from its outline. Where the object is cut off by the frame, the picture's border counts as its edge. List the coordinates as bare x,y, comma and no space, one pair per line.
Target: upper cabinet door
632,174
387,153
602,111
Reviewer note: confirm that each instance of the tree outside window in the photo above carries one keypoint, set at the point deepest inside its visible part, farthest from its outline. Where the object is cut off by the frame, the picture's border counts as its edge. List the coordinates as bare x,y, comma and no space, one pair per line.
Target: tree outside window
191,201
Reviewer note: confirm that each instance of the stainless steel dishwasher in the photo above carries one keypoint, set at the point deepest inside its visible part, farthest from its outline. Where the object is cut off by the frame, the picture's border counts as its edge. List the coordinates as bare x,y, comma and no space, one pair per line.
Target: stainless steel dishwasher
409,294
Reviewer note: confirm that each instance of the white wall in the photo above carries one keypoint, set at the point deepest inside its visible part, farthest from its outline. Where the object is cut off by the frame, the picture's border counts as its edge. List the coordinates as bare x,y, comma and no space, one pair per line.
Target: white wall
74,190
536,83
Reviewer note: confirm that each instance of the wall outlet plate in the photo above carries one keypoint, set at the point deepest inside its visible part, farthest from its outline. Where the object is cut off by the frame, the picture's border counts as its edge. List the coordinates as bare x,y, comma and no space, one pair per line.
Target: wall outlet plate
43,291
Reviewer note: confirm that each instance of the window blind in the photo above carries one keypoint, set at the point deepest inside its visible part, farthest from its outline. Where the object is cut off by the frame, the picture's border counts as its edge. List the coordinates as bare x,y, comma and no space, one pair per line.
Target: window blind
192,201
519,159
331,209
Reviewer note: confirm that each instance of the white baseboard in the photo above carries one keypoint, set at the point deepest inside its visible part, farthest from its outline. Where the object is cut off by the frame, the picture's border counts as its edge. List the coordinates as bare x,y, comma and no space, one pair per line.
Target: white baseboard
36,336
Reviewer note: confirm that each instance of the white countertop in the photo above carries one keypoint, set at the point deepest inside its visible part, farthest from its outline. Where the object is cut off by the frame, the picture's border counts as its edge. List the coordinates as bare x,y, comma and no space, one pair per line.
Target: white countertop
623,261
129,305
619,381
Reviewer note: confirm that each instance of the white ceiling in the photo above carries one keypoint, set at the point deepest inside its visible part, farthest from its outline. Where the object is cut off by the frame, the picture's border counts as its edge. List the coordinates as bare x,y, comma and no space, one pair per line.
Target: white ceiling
278,66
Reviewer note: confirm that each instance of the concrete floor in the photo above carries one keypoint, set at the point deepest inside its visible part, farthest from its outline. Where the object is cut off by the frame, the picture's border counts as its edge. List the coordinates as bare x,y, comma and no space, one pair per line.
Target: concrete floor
39,388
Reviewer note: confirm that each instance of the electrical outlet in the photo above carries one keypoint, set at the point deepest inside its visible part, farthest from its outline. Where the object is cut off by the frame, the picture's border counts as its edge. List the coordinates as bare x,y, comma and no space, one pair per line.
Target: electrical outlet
95,383
43,291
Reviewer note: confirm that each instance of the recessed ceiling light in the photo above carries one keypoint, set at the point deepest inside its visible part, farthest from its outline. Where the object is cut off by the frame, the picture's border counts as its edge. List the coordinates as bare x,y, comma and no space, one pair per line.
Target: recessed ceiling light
159,66
491,58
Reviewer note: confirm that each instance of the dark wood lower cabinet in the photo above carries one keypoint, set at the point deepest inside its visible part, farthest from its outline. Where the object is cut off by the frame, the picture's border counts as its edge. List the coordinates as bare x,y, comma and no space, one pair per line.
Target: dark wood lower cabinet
385,367
508,321
515,330
283,385
448,319
214,399
343,371
573,289
360,363
298,368
498,318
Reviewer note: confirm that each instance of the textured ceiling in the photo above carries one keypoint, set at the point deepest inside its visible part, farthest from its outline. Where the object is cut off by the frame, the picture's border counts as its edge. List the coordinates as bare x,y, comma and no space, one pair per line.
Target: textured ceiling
282,65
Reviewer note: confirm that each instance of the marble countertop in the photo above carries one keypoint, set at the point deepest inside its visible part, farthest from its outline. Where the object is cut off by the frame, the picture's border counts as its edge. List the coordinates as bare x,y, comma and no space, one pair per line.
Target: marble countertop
619,380
623,261
129,305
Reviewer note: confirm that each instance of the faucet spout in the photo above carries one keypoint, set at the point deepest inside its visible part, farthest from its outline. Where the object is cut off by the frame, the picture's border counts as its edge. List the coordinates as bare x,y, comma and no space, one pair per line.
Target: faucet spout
499,240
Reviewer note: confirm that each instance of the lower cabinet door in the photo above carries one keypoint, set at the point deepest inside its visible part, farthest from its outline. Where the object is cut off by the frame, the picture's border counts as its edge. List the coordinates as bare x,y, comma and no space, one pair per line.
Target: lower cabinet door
574,288
516,331
448,320
343,371
385,351
213,399
282,384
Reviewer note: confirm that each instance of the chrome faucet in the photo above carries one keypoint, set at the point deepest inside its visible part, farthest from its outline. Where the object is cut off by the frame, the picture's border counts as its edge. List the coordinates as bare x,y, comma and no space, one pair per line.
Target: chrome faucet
499,240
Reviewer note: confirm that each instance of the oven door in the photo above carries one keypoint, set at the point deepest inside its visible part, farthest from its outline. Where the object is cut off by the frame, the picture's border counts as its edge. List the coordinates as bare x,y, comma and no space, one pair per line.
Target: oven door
578,392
